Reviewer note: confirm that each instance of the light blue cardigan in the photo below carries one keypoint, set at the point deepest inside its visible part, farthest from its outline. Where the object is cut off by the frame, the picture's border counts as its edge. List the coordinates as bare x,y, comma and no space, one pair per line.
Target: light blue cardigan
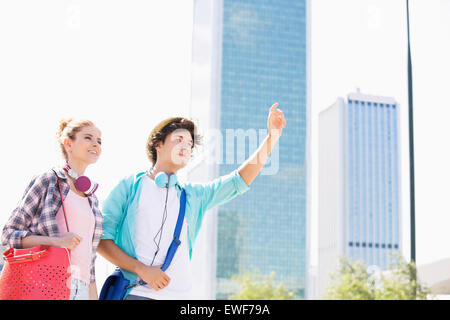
119,208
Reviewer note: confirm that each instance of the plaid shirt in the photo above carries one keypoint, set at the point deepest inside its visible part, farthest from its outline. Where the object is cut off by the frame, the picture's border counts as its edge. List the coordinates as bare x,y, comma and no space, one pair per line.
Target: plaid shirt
36,213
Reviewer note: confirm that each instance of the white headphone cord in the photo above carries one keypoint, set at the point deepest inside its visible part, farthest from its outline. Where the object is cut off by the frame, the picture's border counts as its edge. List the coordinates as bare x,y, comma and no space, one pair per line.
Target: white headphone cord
161,228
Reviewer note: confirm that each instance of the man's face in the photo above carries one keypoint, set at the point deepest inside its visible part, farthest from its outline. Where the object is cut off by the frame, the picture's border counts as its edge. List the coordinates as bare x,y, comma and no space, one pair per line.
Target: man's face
177,148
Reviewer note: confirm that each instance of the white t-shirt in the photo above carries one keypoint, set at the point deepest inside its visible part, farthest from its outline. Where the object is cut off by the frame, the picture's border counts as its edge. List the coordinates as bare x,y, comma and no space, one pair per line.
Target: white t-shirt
149,218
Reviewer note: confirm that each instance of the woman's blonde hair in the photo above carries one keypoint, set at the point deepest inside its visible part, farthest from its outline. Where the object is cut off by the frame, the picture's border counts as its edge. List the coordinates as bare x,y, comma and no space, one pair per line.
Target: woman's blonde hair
68,128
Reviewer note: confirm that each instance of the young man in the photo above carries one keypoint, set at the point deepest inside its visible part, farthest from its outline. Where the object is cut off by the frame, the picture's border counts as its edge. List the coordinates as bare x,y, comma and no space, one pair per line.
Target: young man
140,214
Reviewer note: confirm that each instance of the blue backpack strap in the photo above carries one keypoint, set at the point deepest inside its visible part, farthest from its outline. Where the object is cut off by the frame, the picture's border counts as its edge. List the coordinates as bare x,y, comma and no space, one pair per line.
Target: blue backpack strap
176,235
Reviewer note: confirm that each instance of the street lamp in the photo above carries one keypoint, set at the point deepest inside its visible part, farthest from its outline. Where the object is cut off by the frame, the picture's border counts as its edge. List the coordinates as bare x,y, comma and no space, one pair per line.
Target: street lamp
411,156
411,145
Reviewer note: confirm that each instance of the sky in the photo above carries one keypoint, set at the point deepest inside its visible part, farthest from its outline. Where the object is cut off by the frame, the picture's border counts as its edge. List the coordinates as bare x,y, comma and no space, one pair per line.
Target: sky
127,65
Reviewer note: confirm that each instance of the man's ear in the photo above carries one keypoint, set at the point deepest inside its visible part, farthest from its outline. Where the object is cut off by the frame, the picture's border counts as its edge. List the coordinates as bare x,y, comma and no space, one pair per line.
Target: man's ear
158,145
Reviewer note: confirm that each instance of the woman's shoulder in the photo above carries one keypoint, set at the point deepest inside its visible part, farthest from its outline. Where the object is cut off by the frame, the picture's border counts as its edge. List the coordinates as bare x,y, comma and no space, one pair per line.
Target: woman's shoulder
39,185
43,179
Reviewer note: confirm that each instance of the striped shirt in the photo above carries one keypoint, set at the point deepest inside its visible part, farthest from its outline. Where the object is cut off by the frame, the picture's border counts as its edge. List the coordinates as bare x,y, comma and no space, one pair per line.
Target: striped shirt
36,213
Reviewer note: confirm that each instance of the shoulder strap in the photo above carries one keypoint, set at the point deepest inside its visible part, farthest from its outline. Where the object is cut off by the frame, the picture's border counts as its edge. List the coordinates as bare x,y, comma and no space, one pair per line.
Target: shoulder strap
176,235
62,200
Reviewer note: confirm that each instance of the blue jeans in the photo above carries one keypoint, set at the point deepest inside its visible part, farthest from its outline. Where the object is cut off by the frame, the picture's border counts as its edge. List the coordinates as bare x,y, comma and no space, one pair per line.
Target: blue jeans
79,290
133,297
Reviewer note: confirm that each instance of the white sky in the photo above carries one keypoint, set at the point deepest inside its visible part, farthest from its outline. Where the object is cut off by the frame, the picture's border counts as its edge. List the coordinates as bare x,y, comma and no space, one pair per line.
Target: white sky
127,65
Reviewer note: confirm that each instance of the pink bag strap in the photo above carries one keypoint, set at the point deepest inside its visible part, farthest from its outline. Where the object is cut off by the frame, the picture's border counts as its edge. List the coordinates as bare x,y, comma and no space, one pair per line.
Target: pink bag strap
62,200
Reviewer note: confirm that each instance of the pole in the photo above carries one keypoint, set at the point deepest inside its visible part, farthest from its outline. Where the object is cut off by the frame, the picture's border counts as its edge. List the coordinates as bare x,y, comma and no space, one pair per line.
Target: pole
411,146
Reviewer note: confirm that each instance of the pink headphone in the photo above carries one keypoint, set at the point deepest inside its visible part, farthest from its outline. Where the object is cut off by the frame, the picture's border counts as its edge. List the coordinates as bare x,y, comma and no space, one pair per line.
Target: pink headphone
82,183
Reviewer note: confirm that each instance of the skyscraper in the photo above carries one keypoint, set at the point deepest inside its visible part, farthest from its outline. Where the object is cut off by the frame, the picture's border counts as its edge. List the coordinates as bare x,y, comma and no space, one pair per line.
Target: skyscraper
359,183
264,60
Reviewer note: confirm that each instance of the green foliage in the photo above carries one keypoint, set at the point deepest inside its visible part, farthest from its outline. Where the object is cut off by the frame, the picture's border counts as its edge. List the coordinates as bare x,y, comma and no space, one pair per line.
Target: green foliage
255,286
352,281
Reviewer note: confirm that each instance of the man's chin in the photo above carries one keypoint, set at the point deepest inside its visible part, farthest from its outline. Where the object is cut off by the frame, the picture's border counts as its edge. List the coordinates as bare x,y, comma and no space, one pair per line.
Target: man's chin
180,163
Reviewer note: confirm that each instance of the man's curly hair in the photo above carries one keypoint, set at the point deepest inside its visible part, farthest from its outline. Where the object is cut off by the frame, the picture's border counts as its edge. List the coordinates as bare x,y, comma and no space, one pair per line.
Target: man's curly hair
166,127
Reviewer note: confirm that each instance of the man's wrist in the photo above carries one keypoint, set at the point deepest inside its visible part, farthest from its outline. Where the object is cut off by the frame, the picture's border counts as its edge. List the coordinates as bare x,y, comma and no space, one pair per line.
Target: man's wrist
274,135
138,267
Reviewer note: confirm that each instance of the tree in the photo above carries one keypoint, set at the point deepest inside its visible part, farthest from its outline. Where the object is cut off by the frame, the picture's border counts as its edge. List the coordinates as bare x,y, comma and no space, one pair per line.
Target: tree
255,286
353,281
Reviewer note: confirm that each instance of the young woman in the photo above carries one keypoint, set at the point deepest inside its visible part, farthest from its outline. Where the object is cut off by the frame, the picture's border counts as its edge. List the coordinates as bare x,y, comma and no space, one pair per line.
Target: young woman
39,217
142,210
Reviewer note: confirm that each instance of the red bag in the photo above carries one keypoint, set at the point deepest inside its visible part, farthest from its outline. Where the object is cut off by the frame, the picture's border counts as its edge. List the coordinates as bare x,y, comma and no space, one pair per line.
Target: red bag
38,273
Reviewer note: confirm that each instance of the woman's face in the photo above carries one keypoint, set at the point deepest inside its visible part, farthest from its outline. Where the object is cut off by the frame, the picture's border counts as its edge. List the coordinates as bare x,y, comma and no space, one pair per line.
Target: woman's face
86,147
177,148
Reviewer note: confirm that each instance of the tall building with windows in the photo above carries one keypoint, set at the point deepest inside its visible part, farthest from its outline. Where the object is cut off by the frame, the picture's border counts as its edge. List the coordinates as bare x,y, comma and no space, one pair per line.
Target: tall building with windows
248,55
359,183
264,53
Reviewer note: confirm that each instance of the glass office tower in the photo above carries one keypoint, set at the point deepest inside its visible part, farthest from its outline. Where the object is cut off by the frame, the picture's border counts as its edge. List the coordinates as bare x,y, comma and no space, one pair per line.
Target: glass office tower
263,61
359,183
373,180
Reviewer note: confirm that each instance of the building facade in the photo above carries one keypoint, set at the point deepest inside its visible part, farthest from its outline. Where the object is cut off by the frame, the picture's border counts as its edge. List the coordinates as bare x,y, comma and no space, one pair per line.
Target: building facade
359,183
264,61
